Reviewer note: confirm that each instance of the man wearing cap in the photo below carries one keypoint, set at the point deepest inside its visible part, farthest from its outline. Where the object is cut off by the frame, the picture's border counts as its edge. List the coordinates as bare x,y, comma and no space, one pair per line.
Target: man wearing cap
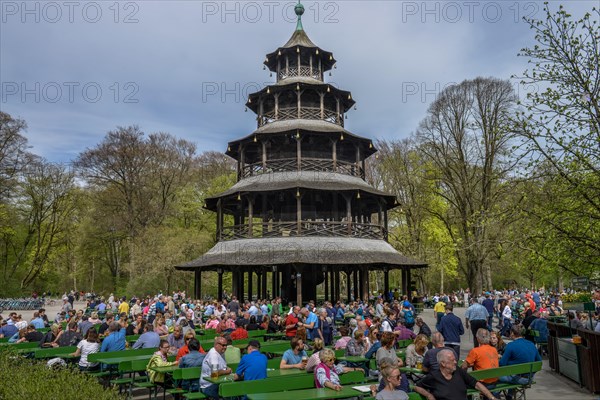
253,365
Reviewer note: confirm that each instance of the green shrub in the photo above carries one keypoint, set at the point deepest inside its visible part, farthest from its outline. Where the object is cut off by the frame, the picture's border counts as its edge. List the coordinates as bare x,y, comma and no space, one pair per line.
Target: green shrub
28,379
582,297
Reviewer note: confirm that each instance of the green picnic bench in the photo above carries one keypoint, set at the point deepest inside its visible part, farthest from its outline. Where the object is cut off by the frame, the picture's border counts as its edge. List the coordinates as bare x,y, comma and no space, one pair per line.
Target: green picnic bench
52,352
256,334
516,369
22,345
94,357
281,384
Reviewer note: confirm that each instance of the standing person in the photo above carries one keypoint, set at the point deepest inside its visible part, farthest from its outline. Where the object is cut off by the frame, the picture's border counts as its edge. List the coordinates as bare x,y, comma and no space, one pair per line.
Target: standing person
234,306
449,383
506,318
476,316
325,328
311,323
438,312
291,323
488,303
253,365
451,328
123,306
214,360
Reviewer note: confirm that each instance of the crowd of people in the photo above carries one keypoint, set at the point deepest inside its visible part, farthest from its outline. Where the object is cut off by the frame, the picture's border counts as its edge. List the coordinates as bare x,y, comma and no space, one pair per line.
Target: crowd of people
366,329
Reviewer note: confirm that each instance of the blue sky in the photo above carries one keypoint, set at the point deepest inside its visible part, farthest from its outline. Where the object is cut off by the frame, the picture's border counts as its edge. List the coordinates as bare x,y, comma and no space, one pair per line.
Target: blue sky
75,70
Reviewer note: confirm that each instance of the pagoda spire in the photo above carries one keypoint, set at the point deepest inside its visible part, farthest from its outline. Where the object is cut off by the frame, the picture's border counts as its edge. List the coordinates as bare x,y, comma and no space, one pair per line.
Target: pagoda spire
299,9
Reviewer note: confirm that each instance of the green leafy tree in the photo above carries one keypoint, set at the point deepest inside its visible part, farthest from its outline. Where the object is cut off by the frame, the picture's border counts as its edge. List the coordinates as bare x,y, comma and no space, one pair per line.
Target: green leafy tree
561,131
467,136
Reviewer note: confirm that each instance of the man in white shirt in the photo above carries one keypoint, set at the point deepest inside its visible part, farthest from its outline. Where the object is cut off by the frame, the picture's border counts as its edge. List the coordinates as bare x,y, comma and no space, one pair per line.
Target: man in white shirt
214,359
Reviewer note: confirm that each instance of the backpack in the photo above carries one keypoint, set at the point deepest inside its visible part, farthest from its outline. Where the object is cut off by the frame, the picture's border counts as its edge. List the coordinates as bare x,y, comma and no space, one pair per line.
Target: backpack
408,317
392,323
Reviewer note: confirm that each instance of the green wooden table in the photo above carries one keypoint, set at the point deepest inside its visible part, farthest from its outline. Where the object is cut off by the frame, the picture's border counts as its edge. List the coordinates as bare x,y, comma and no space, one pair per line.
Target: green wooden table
271,373
353,359
274,336
309,394
411,370
166,370
118,360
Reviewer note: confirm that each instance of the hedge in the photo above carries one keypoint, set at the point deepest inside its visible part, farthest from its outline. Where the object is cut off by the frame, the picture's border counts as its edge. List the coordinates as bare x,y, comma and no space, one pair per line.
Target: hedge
29,379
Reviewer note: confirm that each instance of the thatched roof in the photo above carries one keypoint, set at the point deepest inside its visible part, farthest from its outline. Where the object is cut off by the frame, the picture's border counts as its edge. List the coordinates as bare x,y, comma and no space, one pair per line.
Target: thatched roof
275,181
301,250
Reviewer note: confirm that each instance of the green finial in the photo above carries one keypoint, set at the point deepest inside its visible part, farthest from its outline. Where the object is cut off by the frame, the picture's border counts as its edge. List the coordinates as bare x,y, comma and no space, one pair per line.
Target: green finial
299,9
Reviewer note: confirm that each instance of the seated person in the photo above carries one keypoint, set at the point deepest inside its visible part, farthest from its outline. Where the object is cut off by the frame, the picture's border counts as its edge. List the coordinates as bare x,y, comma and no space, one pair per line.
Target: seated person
357,345
342,342
233,354
31,335
253,365
314,359
483,357
382,365
239,332
184,349
147,340
49,338
449,382
193,359
327,373
175,340
253,325
159,359
70,337
296,356
393,378
415,352
89,345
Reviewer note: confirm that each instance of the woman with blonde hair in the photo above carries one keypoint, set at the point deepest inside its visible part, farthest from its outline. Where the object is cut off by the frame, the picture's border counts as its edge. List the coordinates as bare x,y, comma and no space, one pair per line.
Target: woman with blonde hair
327,372
160,327
393,377
415,352
94,318
314,360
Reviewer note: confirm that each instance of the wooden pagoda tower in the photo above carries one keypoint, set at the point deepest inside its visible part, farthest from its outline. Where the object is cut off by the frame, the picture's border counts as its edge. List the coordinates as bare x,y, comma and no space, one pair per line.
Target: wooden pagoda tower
301,209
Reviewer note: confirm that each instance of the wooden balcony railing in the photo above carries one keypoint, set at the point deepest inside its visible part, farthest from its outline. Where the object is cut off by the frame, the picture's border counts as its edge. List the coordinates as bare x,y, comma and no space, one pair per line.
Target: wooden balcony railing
288,113
304,229
303,71
306,164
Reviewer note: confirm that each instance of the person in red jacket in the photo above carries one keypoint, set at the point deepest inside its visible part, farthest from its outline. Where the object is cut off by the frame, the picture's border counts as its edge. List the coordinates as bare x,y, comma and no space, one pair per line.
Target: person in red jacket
240,332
